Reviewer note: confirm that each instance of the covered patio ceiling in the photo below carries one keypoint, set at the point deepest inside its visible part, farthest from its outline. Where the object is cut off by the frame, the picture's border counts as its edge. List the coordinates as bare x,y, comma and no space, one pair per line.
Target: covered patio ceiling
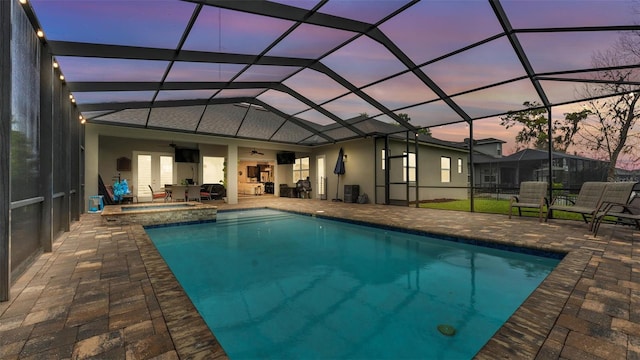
312,72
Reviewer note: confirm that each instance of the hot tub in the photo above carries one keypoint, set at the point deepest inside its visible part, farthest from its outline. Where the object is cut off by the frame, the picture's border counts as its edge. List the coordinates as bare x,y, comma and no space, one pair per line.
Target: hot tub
159,214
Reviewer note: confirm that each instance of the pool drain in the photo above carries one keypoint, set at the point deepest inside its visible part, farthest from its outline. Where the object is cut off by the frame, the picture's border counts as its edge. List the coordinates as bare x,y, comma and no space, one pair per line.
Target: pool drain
447,330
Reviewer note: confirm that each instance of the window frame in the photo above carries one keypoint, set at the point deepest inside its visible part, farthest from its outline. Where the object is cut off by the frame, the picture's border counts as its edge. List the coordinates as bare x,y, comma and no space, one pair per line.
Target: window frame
445,172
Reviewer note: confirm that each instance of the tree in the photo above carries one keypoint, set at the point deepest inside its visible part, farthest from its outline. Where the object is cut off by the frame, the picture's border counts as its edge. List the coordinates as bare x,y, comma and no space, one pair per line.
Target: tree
535,126
407,118
611,134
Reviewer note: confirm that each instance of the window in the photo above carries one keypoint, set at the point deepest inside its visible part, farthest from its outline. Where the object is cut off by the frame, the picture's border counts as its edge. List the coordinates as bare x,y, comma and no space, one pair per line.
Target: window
383,156
144,175
409,163
166,170
300,169
445,169
489,178
155,170
459,166
212,170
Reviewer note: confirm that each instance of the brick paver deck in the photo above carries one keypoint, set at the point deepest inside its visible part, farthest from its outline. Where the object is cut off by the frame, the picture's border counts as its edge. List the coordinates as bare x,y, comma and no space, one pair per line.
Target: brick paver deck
105,292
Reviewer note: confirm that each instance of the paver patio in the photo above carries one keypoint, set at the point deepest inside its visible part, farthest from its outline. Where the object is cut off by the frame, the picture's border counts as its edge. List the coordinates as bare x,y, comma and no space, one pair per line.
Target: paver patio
105,292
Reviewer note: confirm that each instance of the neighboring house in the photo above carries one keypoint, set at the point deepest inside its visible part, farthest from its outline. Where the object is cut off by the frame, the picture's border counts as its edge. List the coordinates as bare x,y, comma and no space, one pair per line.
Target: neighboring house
628,175
532,164
489,146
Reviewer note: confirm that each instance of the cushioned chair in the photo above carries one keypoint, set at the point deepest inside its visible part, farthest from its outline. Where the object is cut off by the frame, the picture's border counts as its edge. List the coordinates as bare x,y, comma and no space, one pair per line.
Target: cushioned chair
303,188
212,192
532,195
157,195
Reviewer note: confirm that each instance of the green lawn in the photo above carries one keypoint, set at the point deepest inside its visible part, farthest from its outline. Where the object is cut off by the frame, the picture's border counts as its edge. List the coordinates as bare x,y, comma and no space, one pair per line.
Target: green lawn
493,206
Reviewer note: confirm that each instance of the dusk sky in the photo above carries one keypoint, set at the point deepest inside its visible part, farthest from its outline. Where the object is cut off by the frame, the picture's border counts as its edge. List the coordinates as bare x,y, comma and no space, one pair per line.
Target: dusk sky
485,80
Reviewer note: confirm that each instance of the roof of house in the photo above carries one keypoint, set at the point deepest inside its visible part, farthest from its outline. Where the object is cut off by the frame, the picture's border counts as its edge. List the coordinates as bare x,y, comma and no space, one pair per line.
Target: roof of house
531,154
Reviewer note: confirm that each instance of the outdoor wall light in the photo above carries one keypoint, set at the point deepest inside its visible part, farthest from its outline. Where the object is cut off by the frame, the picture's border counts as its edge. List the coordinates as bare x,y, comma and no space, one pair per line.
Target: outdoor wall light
23,2
61,77
55,64
40,33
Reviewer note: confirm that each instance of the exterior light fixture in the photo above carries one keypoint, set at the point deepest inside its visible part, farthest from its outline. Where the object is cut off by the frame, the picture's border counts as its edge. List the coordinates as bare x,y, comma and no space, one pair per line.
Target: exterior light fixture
82,119
71,96
23,2
61,77
40,33
55,65
73,101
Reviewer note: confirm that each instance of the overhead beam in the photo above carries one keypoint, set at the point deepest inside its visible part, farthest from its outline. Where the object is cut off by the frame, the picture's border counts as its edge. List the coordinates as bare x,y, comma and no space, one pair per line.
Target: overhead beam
520,53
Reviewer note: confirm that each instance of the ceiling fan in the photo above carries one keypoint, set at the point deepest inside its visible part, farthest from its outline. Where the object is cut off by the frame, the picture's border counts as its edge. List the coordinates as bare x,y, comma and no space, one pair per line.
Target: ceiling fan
256,152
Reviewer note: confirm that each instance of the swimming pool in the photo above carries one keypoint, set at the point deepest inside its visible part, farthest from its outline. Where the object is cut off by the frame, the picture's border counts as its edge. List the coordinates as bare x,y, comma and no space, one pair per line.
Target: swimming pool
279,285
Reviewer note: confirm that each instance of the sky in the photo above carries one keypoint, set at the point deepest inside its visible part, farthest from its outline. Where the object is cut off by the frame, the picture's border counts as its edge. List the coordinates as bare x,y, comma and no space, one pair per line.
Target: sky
456,44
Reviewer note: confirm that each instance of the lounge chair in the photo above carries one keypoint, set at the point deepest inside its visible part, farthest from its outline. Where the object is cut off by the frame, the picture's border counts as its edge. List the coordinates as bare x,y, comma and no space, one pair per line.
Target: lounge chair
532,195
586,203
157,195
617,200
612,193
622,213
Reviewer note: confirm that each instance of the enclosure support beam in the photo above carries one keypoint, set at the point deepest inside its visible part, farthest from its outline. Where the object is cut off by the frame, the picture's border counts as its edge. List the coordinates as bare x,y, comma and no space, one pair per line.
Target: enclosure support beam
5,149
471,167
550,154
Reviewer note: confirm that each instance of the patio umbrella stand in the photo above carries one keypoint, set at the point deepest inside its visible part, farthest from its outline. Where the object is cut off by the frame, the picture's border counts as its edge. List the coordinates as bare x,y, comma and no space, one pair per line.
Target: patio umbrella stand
339,170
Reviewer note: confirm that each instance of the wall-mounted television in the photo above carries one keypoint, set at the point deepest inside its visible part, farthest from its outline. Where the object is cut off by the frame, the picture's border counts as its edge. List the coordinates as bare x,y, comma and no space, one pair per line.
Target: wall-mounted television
187,155
286,157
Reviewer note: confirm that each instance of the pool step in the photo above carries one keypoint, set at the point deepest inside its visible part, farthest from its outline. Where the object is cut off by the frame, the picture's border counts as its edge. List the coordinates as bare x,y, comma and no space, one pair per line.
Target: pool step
250,220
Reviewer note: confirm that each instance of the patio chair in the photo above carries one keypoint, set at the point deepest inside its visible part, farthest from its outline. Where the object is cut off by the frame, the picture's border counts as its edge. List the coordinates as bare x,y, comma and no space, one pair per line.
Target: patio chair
586,203
617,202
157,195
212,192
532,195
193,193
178,192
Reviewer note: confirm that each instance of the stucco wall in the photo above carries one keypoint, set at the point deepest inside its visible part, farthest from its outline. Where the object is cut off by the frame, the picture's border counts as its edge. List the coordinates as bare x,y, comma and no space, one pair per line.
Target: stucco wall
362,162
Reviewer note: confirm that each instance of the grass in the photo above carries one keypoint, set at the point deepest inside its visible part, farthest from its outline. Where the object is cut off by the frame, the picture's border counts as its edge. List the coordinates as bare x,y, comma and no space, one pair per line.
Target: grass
493,206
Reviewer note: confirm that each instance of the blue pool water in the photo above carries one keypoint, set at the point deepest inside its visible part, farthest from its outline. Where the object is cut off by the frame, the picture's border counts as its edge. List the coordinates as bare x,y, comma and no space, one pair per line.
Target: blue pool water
279,285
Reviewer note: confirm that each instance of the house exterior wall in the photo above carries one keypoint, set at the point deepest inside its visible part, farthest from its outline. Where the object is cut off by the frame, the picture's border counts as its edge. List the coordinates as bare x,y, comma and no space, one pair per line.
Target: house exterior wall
363,163
431,185
429,172
359,169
